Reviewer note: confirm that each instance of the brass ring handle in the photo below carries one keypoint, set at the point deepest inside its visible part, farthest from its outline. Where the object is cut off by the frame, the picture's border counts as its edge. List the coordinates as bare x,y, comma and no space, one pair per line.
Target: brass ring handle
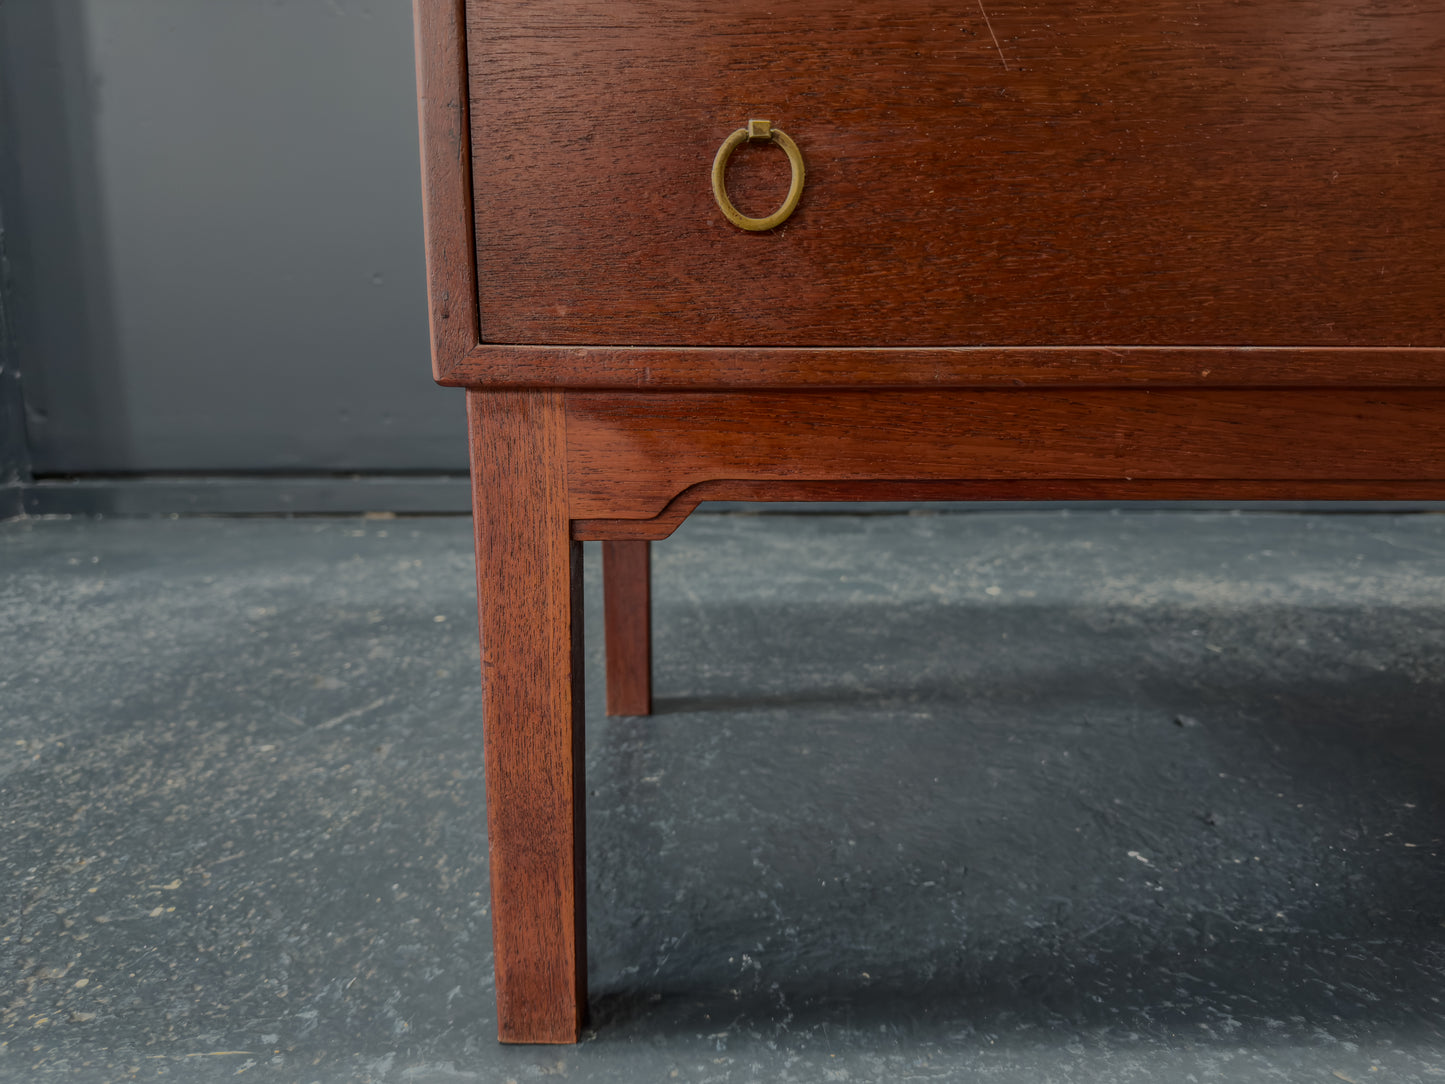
758,130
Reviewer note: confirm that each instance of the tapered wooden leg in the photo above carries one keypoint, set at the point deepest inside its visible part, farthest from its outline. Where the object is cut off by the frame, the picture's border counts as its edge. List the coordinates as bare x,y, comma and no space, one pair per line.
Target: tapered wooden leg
627,614
529,578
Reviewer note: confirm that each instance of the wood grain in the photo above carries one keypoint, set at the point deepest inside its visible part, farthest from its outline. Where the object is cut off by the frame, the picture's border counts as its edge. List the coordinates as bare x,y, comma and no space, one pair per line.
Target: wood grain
529,601
442,112
627,613
1088,172
630,455
684,368
1057,249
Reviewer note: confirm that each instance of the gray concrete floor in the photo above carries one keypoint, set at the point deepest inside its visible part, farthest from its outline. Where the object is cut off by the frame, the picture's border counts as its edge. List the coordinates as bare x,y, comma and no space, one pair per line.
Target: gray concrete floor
1009,797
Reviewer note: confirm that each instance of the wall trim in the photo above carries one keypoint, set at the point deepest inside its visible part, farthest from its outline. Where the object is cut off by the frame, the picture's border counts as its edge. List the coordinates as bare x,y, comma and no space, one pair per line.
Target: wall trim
253,495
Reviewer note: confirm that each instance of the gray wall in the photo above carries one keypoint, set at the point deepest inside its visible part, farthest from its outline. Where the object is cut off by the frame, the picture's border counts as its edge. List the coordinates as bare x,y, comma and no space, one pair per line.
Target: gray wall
215,238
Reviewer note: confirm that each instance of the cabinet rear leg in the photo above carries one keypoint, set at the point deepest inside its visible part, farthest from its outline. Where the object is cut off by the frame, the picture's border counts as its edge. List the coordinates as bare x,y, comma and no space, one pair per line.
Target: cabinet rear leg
627,615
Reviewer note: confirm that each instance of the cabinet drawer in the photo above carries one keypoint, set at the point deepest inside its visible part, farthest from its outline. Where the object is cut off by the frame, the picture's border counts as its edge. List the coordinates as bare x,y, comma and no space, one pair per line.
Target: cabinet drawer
1053,172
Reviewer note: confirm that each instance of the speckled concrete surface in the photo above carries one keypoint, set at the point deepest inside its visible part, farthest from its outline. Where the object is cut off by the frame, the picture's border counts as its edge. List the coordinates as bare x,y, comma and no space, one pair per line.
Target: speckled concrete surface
1016,797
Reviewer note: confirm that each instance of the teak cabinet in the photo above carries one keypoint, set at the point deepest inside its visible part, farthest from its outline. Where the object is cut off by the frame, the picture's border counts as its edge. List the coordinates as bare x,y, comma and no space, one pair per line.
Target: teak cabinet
1044,249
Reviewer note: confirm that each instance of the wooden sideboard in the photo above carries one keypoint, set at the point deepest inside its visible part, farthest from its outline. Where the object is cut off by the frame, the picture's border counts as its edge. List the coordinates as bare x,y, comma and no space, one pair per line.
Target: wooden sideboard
1113,249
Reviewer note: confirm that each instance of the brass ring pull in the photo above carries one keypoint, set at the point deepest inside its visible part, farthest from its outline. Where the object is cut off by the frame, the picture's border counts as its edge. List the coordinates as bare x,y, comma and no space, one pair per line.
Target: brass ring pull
759,130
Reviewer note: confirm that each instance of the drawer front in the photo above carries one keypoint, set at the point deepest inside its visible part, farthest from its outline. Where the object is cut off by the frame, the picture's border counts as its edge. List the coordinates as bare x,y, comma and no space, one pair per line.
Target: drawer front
998,172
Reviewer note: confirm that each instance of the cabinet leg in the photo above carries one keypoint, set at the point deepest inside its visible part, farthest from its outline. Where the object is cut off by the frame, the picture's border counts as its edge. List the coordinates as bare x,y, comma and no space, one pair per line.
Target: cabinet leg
627,614
529,599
